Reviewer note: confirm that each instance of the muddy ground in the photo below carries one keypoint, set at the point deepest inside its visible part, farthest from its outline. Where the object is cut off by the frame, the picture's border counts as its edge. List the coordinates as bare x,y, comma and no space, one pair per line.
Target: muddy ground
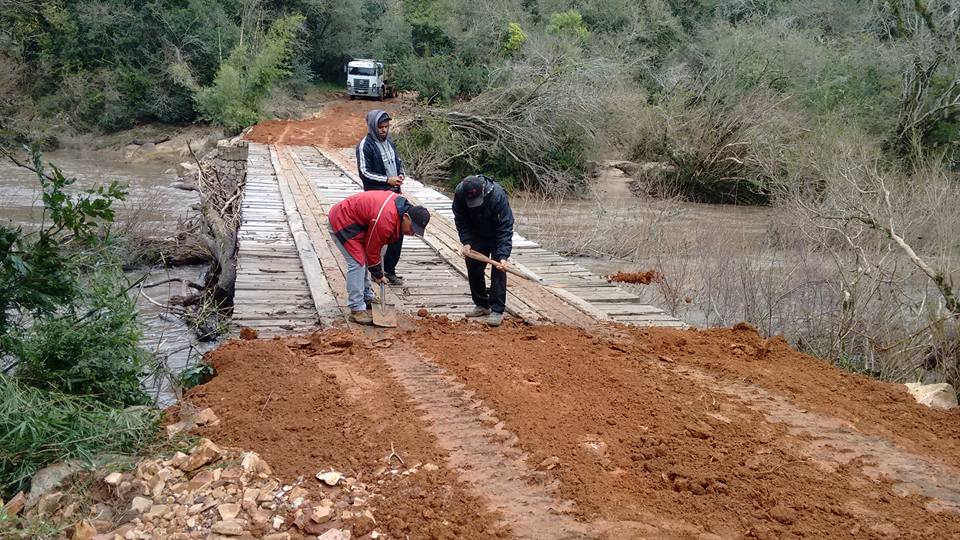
551,432
339,124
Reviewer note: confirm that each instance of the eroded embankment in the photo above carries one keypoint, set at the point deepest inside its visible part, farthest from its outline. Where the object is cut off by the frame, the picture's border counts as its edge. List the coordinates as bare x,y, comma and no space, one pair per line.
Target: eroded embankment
641,433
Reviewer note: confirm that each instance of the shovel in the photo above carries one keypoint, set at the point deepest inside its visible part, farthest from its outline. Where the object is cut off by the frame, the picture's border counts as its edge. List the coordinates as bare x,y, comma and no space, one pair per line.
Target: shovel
383,315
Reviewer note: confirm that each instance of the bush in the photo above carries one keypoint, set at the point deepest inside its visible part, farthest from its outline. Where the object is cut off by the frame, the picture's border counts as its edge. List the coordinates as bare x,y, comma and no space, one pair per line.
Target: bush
93,353
39,427
243,82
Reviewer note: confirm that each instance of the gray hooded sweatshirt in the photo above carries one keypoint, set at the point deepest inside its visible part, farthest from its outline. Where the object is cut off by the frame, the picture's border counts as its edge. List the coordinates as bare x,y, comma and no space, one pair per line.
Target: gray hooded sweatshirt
386,148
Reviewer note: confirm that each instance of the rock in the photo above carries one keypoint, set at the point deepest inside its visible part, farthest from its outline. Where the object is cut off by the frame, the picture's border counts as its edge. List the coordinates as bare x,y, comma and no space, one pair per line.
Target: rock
783,515
253,463
248,334
205,452
49,503
180,427
277,536
200,480
206,417
430,467
50,478
156,511
422,312
178,459
227,528
937,396
321,514
549,464
228,511
83,531
15,505
113,478
140,504
297,493
331,478
334,534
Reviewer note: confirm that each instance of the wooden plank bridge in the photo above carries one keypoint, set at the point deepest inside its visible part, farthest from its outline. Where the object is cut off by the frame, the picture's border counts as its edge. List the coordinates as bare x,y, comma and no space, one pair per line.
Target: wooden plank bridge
290,276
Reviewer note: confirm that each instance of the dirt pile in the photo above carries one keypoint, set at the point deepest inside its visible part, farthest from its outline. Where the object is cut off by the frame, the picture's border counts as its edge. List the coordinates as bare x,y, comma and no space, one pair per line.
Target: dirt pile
656,432
327,401
640,278
632,432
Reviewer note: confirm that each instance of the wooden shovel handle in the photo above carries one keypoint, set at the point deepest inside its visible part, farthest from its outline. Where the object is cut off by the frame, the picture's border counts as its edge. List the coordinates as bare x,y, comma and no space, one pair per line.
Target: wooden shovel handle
483,258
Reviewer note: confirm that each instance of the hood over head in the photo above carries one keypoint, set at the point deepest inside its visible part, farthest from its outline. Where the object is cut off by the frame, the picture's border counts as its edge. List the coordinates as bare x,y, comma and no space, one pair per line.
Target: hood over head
374,118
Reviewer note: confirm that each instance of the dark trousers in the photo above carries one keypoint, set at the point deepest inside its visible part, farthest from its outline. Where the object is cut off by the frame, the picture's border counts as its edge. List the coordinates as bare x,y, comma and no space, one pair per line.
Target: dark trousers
392,257
494,298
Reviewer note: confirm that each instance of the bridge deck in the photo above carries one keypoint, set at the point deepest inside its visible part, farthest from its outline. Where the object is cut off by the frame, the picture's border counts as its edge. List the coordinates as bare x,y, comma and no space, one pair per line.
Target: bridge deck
291,276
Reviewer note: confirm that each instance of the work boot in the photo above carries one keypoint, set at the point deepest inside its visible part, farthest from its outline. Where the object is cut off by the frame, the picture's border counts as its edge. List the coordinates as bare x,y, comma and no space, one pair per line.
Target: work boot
361,317
478,312
394,279
494,319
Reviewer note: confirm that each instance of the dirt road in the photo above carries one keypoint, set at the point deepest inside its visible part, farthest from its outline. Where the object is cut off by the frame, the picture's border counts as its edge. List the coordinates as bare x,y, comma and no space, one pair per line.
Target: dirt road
340,124
550,432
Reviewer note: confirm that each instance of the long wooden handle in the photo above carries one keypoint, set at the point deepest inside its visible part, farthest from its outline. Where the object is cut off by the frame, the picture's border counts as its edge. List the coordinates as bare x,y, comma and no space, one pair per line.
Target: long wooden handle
483,258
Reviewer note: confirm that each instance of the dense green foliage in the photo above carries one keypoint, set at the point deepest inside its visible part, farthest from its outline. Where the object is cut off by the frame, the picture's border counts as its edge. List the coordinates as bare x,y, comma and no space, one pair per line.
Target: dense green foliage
885,70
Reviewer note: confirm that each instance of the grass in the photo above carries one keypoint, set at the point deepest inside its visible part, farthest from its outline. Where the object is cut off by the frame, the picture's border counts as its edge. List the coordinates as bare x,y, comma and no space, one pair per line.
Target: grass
41,427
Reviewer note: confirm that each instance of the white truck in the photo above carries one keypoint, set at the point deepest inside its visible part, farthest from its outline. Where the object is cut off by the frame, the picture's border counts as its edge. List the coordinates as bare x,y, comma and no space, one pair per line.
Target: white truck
366,78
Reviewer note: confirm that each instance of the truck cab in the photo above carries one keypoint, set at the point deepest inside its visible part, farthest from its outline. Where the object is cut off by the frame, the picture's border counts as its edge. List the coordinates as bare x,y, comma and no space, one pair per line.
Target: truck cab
366,78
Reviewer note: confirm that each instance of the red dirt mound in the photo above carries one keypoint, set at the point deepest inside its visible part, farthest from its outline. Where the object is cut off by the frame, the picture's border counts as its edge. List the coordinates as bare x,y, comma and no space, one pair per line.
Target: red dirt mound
641,278
323,402
637,438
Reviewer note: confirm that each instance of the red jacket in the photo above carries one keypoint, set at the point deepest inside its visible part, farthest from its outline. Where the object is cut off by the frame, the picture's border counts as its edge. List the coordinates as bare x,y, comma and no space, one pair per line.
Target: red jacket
355,223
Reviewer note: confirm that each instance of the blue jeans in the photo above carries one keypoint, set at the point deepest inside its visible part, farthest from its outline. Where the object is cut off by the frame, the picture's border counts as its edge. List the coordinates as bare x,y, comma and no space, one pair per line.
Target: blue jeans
359,290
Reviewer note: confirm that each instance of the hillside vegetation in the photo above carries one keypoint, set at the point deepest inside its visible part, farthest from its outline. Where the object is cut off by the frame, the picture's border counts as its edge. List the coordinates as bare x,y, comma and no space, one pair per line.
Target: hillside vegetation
740,97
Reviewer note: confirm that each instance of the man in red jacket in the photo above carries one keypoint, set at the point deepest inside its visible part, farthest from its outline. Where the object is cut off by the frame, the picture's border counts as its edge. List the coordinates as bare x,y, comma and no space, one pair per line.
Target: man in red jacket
361,226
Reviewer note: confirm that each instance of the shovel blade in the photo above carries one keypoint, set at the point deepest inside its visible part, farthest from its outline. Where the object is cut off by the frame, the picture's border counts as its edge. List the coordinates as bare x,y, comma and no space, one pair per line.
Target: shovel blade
384,316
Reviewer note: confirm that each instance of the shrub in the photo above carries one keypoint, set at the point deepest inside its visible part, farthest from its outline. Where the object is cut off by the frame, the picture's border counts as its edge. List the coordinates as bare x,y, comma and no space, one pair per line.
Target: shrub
569,23
514,39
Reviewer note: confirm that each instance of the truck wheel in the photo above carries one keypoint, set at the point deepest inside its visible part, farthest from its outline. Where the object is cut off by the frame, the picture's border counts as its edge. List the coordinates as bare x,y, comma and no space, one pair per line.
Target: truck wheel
353,98
380,94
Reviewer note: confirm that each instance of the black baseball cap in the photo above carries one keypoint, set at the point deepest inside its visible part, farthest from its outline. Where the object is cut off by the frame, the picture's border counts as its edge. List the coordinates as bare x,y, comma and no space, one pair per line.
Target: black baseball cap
474,187
419,217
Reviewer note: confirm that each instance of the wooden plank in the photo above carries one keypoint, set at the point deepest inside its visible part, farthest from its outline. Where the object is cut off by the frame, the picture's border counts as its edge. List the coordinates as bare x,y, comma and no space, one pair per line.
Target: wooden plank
323,298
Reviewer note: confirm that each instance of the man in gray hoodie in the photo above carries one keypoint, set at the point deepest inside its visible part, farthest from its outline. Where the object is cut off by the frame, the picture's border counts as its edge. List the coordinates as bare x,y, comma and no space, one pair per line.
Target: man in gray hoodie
381,169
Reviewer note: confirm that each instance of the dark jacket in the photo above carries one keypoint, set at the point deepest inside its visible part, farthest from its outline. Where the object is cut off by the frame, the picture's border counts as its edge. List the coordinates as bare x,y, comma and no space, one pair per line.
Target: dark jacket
488,226
370,164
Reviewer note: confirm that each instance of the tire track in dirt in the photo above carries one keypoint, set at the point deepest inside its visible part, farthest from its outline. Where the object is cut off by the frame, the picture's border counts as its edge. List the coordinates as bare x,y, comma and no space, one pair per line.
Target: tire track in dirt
832,443
482,451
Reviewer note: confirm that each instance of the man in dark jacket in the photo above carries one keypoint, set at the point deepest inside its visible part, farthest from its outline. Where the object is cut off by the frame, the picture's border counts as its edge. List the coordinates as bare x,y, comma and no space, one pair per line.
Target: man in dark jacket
381,169
484,222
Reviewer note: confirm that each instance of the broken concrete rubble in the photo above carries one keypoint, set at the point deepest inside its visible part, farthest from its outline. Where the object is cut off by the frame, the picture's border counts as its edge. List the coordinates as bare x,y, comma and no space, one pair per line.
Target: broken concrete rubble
210,493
